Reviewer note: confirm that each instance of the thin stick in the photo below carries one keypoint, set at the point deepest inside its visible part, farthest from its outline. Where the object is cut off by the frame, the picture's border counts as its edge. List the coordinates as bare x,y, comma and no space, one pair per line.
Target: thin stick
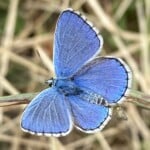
138,98
16,99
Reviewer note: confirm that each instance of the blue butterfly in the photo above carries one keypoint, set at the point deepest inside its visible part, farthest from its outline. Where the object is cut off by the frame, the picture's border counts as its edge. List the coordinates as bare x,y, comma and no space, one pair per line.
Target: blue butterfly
84,88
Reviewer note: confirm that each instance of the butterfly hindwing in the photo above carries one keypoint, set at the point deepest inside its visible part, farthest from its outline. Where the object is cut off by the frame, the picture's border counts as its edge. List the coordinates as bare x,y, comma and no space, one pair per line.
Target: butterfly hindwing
47,114
75,43
89,117
107,76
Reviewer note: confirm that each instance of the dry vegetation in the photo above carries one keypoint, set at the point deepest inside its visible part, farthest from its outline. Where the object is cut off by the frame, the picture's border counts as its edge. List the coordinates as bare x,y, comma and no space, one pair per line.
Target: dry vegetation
28,25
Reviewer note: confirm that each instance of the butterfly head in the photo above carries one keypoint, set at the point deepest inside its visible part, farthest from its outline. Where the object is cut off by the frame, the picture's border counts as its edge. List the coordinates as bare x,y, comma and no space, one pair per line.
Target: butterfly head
50,82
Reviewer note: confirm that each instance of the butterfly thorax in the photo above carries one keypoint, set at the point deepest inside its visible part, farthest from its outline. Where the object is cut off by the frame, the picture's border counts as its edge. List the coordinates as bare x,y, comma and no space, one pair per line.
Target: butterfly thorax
66,87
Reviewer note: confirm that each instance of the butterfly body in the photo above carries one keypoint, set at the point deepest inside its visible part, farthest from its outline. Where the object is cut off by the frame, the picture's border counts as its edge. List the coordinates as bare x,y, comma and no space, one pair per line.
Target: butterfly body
67,87
84,87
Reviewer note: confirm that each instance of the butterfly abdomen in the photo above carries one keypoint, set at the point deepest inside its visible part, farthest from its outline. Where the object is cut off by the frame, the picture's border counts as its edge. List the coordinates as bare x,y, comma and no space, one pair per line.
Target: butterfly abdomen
93,97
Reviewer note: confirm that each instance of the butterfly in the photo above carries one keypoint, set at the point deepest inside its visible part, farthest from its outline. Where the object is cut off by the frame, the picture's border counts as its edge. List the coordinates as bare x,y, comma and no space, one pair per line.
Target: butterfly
85,86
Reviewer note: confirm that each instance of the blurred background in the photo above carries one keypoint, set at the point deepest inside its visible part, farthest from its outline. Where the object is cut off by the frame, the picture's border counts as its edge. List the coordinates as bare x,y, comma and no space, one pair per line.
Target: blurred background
28,25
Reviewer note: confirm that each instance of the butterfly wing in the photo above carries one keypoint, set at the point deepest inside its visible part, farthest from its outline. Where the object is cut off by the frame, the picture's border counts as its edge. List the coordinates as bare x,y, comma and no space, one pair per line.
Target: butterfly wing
107,76
76,41
47,114
89,117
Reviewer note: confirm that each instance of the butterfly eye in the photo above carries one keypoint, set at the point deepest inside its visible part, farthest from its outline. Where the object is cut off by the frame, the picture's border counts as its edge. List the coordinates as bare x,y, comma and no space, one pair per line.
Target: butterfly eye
50,82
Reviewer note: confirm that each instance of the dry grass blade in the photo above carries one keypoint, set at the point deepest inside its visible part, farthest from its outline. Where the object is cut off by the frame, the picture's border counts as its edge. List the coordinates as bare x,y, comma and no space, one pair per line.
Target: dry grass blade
109,24
145,53
10,23
8,35
7,86
104,144
132,63
45,59
122,9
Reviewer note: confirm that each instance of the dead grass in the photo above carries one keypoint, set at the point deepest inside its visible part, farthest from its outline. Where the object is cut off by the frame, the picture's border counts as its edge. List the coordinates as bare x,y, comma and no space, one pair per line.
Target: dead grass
29,26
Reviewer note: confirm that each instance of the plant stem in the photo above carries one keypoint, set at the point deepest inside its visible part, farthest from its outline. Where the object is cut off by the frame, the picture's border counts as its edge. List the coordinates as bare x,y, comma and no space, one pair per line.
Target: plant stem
16,99
138,98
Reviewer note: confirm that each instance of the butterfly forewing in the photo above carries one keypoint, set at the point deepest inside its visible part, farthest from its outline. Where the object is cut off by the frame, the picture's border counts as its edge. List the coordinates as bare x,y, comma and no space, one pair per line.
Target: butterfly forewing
75,43
107,76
